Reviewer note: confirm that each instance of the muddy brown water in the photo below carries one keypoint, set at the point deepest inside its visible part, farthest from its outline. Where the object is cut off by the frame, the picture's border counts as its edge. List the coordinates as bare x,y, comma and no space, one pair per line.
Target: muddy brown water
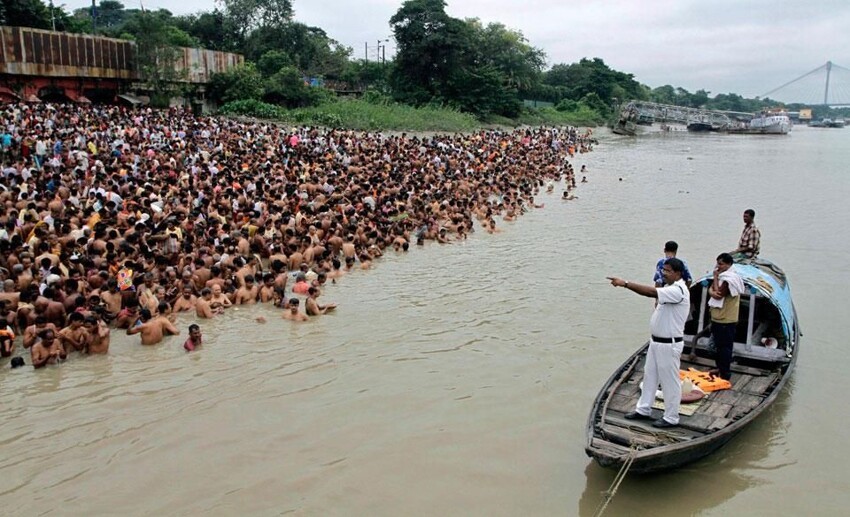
456,380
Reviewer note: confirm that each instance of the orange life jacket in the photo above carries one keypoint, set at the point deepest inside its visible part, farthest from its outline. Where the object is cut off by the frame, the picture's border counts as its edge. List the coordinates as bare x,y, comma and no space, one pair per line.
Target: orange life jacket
705,381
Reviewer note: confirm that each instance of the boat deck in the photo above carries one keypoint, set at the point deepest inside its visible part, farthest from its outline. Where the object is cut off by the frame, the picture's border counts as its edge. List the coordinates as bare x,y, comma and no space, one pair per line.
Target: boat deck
750,386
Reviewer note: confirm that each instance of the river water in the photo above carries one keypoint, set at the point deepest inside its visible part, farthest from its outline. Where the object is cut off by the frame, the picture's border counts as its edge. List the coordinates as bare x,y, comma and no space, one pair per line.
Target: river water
457,380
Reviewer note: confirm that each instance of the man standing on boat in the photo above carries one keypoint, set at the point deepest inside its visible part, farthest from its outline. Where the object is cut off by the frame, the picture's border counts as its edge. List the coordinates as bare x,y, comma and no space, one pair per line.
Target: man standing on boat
750,241
667,328
725,290
671,248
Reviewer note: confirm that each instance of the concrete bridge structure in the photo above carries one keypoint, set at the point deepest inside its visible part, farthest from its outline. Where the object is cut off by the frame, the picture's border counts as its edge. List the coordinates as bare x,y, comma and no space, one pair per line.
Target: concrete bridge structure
40,65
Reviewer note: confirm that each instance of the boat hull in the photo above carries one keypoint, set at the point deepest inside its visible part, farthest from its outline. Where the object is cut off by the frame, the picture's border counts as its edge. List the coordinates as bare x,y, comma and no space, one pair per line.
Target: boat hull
652,463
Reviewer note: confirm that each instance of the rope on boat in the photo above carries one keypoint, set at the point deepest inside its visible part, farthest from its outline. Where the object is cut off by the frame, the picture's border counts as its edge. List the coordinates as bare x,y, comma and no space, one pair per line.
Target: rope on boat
621,475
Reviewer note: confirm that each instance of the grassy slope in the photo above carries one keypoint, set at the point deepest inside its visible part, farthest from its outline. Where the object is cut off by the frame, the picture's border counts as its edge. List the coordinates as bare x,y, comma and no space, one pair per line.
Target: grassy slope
361,115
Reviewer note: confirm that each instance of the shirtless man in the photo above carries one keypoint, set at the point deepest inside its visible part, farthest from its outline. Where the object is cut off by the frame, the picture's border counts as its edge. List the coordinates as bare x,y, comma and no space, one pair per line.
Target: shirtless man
54,311
268,289
74,336
202,305
292,314
98,335
31,332
280,275
202,274
219,301
247,294
365,261
312,305
348,249
47,350
154,329
295,258
337,270
491,227
186,302
147,294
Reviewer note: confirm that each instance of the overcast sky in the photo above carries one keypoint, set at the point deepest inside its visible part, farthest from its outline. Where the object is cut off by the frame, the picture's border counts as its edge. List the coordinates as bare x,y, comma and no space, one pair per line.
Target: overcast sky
743,46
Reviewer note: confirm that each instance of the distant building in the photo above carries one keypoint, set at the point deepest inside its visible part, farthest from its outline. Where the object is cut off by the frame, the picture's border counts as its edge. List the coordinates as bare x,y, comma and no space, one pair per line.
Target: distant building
40,65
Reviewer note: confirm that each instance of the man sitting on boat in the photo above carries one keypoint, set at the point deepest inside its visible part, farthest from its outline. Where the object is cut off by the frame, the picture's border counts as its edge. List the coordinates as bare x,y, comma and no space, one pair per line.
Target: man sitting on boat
667,327
750,241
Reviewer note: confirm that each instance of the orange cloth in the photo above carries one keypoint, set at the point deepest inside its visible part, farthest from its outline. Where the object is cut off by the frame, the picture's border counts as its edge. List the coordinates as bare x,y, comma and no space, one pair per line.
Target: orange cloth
704,380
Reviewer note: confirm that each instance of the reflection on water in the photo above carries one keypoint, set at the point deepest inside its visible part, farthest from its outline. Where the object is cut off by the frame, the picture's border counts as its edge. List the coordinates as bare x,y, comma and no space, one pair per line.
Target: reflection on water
457,379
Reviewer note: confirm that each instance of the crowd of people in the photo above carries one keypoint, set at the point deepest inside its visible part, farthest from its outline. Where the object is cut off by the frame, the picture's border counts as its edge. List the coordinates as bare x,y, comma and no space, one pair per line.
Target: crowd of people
121,218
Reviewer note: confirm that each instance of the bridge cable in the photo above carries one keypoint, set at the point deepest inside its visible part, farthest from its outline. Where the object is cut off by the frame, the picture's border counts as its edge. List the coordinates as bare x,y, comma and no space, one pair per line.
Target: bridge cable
818,69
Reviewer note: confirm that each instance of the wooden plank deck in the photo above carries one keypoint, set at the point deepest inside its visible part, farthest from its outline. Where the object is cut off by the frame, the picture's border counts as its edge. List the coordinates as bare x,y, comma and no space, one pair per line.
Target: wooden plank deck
718,410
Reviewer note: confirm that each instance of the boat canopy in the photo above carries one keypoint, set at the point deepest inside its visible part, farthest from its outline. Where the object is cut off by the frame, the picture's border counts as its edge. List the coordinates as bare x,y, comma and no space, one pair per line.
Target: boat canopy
765,278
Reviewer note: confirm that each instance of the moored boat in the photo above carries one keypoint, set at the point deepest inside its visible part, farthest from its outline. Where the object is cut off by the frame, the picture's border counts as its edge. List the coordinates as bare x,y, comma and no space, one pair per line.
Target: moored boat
827,122
702,127
765,351
765,123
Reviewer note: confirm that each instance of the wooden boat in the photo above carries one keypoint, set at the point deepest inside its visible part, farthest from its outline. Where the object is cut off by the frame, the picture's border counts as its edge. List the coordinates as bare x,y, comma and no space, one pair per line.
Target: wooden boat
765,352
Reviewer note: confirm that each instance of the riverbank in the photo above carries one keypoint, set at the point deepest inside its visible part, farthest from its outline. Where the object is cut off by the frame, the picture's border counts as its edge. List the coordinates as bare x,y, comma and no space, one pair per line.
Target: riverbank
363,115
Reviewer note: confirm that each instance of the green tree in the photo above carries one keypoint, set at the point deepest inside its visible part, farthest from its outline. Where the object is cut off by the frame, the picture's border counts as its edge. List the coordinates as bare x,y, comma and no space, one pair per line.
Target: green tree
363,74
699,99
308,48
286,87
594,76
212,30
248,15
239,83
139,24
508,52
664,95
272,62
110,13
431,50
36,14
26,13
157,55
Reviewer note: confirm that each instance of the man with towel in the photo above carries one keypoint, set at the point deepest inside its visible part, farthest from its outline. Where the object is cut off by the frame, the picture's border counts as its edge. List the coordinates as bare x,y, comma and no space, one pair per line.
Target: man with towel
724,301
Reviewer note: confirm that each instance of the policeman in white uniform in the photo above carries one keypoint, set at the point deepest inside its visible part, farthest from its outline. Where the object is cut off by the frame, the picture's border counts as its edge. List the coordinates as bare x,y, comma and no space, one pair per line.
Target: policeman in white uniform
667,328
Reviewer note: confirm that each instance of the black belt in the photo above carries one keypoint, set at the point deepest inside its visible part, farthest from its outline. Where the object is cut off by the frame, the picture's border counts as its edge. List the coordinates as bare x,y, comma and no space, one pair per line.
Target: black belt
667,339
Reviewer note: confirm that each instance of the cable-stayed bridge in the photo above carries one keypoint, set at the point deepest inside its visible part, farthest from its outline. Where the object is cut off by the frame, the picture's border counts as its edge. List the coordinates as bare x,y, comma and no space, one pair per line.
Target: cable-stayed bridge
826,85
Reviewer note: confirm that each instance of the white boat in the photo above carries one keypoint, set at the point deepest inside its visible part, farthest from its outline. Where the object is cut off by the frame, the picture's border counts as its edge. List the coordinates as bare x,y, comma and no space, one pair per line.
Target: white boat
771,123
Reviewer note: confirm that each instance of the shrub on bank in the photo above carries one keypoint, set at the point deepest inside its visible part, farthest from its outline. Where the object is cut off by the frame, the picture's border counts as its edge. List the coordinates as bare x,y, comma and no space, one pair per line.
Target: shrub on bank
377,113
252,108
581,116
359,114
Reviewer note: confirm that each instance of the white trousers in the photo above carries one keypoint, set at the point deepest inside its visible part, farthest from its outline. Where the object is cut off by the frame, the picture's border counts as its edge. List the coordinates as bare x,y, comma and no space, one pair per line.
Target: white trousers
662,367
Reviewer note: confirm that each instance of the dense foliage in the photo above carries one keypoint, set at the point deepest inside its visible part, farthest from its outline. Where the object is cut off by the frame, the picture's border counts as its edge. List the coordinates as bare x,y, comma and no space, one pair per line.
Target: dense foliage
441,63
